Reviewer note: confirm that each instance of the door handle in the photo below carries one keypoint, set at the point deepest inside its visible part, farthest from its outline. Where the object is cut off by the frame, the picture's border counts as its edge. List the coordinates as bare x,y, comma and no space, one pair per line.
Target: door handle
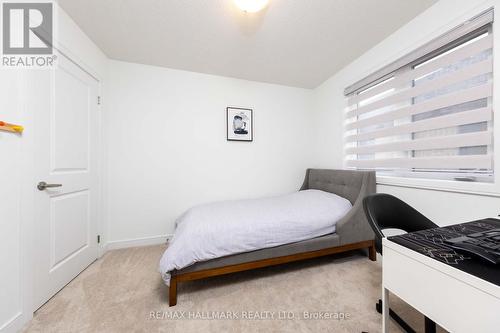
43,185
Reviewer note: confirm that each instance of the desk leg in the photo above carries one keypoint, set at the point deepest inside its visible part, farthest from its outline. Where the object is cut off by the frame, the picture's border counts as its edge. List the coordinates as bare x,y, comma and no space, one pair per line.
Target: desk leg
385,310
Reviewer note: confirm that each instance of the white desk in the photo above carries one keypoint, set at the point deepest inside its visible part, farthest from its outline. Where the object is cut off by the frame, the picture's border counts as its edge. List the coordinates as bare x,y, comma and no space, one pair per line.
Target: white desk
453,299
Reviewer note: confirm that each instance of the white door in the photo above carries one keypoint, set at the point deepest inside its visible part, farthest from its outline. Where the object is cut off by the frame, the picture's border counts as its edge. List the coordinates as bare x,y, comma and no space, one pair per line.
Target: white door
66,142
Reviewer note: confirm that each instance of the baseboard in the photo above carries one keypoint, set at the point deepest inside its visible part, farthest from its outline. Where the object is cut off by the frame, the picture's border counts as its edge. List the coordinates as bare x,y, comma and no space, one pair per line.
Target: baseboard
136,242
13,325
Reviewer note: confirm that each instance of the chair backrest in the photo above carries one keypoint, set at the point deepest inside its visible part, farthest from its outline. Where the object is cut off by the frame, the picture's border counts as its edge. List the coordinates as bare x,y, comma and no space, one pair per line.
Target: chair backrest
386,211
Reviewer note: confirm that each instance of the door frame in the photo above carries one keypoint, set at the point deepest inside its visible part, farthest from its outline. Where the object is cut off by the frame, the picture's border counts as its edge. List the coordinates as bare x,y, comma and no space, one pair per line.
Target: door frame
28,185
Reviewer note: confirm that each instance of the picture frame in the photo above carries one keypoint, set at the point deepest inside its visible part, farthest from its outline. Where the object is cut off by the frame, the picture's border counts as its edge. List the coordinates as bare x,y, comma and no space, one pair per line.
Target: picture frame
239,124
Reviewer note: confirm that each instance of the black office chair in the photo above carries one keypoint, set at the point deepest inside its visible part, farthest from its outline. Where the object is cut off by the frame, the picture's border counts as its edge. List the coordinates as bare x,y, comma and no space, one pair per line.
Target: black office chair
385,211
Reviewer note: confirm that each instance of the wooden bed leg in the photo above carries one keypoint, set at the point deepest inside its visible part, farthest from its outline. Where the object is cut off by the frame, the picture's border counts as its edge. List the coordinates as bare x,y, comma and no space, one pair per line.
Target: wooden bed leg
372,253
172,293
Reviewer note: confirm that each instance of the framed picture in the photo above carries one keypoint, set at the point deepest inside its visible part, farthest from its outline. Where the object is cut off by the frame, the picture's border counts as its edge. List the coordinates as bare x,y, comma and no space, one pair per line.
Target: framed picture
239,124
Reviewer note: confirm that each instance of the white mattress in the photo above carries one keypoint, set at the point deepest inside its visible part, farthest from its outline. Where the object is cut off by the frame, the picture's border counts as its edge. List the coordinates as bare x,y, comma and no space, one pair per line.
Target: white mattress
220,229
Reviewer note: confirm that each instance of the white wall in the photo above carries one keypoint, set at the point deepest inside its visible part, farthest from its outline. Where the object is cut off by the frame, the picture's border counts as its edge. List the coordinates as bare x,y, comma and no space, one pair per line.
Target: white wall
10,200
17,105
444,207
167,150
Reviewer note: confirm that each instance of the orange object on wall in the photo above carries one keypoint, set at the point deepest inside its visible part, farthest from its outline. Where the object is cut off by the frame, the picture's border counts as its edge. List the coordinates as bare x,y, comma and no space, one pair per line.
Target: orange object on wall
11,127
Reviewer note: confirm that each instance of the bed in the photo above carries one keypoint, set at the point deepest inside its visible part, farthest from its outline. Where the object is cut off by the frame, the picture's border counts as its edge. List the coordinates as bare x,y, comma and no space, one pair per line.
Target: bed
350,231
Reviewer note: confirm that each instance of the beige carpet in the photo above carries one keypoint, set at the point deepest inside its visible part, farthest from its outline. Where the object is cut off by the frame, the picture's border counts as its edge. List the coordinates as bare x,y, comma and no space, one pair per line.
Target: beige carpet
123,292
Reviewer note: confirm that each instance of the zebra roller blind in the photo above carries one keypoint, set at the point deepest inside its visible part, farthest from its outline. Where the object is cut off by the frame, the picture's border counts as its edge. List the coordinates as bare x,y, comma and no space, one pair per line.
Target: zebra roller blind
432,117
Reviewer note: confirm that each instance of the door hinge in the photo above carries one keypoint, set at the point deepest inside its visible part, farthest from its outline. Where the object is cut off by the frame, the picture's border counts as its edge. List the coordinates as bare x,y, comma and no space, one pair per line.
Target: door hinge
98,239
98,100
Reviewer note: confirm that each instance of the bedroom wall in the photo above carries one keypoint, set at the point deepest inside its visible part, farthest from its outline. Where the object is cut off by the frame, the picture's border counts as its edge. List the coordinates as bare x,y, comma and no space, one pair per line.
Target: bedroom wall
165,133
444,207
10,197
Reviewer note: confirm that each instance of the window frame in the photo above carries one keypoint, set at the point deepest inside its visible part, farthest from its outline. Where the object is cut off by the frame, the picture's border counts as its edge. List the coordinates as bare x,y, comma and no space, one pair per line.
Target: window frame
481,188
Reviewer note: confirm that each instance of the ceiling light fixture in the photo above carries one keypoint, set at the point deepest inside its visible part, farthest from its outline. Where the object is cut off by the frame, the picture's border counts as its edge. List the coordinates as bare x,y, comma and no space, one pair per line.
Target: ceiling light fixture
251,6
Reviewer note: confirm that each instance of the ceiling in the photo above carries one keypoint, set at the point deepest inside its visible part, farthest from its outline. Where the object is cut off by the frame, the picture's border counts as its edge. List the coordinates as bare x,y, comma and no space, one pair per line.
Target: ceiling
297,43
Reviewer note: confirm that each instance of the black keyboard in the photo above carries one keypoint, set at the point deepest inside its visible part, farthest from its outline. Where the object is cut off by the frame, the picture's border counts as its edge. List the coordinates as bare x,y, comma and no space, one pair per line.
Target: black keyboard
485,244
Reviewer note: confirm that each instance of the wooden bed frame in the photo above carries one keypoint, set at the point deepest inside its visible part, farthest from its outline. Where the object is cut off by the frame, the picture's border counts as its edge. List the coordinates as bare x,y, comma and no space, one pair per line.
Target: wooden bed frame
190,276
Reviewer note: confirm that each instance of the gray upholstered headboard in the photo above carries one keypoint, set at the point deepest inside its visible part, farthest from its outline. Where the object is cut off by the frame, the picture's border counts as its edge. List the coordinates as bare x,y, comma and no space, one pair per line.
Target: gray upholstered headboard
352,185
345,183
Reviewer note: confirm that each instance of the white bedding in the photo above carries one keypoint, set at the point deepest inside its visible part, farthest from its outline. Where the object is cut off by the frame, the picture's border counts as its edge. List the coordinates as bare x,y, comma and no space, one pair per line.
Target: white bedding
223,228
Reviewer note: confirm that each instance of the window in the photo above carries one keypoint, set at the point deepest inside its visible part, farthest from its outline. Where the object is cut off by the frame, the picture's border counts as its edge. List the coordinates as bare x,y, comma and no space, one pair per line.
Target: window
429,115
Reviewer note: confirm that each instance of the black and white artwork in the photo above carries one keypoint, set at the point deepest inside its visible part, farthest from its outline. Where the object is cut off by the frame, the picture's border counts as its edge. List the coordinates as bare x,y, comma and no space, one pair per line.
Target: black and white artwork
239,124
